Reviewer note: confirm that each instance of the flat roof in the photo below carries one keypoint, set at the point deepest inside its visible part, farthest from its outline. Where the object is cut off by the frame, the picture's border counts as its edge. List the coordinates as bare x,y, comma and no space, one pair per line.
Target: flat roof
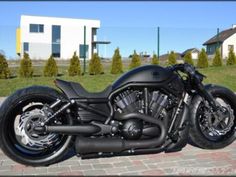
101,42
53,17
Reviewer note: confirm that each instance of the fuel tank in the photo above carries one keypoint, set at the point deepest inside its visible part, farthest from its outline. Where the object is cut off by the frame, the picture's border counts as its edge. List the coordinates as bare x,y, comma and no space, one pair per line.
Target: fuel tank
147,73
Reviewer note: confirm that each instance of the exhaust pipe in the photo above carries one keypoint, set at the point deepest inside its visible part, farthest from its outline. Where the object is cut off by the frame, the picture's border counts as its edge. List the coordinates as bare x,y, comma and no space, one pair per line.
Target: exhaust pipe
71,130
93,145
123,153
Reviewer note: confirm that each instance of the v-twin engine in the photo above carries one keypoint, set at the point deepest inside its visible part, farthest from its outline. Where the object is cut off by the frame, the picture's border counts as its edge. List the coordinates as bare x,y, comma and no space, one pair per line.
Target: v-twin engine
134,101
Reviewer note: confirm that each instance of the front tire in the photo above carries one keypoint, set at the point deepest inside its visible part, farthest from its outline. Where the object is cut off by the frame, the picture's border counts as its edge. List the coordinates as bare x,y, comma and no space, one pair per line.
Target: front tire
197,135
15,106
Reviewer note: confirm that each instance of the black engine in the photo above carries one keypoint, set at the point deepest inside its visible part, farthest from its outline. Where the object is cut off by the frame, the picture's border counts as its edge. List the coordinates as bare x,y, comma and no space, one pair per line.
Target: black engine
131,101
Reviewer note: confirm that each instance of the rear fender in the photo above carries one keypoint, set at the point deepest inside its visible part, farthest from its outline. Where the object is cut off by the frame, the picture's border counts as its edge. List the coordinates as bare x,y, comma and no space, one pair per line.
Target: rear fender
66,88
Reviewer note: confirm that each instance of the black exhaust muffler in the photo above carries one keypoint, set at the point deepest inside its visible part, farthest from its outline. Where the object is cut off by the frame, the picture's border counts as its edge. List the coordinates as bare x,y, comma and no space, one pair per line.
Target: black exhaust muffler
85,145
93,145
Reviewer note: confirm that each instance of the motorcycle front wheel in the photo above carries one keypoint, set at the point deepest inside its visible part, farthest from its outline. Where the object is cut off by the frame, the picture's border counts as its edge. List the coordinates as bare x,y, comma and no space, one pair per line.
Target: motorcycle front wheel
19,114
203,132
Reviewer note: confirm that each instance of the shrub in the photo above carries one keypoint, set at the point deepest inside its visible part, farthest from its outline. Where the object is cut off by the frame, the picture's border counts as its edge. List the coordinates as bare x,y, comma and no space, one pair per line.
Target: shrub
188,58
231,58
50,69
95,66
217,60
116,66
26,69
4,70
172,58
135,61
155,60
74,68
202,59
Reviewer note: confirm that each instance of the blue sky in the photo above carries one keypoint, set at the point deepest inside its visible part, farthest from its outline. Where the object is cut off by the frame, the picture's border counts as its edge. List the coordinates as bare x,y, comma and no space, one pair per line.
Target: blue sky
129,25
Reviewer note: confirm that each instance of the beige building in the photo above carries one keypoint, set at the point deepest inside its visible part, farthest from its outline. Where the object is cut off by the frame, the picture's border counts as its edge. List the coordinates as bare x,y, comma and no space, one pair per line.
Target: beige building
226,40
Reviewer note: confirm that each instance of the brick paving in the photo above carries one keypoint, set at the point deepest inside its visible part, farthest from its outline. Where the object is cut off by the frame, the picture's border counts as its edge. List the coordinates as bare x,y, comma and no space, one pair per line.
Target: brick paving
190,161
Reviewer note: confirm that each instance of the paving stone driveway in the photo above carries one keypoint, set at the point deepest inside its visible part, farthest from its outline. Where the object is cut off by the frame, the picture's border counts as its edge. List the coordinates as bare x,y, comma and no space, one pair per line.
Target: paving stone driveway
190,161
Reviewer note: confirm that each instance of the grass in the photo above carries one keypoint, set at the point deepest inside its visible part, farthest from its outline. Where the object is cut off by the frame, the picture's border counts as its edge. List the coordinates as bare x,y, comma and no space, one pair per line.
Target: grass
225,76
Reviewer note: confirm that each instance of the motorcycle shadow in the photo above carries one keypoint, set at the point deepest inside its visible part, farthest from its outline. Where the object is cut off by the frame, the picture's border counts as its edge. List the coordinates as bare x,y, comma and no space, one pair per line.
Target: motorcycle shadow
72,152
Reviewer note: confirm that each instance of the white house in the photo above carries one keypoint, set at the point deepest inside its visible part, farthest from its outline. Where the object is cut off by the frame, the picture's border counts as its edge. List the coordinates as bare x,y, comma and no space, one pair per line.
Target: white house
225,40
42,36
194,53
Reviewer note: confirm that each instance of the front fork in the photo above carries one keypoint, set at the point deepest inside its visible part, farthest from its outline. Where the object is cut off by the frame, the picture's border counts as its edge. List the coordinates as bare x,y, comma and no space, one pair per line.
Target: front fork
208,96
217,110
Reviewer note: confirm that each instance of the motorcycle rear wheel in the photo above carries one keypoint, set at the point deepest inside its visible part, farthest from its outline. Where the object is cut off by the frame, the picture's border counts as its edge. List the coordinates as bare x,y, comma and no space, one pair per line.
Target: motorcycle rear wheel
13,145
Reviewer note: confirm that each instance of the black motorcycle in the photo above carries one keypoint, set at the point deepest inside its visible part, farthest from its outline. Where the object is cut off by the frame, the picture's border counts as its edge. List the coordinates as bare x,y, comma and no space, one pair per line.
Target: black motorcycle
149,109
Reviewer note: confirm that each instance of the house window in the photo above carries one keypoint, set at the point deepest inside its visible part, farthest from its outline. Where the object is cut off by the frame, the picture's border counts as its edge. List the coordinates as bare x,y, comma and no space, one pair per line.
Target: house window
231,47
56,41
41,28
210,50
26,47
56,50
83,49
36,28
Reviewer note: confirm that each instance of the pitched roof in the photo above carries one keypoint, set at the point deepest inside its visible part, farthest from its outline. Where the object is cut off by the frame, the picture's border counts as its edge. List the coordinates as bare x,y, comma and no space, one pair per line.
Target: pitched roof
165,56
189,50
223,35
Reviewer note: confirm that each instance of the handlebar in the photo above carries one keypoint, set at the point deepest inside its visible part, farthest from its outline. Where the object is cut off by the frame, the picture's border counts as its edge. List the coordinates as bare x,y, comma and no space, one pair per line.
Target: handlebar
189,70
197,78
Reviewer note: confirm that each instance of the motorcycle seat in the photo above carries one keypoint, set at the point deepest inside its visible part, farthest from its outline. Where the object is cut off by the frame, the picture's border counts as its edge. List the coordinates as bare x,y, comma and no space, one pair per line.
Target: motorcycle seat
76,90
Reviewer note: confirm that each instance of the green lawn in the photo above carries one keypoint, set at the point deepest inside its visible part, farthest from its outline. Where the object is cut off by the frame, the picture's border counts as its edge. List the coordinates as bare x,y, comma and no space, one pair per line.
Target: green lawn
225,76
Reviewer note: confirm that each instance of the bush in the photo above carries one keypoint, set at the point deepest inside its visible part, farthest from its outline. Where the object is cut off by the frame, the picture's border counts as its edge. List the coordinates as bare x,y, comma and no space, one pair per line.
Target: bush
155,60
188,58
202,59
135,61
217,60
50,69
26,69
172,58
95,66
116,66
4,70
74,68
231,58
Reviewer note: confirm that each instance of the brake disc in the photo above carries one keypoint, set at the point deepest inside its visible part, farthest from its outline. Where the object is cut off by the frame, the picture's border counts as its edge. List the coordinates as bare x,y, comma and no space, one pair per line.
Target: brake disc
216,130
29,137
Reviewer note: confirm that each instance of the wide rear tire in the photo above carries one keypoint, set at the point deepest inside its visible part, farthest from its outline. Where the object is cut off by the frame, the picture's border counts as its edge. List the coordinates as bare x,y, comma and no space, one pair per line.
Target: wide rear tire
8,140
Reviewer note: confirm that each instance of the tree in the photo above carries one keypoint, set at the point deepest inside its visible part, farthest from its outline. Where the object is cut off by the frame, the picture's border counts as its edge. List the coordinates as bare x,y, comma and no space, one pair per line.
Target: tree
26,69
116,66
188,58
74,68
155,60
172,58
95,65
4,70
50,69
135,61
231,58
202,59
217,60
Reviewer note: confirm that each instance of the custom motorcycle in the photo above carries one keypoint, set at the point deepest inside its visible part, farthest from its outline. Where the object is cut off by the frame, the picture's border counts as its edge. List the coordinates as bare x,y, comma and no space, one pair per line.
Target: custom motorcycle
149,109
